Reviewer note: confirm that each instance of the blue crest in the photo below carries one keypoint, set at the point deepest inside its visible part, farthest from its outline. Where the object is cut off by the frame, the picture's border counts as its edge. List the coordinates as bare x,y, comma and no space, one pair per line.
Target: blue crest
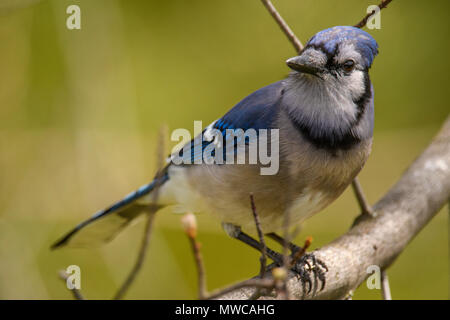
330,39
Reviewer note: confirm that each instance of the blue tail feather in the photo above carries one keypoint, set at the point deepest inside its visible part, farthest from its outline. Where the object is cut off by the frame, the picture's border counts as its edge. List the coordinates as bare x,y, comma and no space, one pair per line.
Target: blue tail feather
119,216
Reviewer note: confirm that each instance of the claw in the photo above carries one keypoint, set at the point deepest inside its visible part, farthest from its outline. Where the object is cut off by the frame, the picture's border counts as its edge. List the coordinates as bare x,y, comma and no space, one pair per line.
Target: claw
309,267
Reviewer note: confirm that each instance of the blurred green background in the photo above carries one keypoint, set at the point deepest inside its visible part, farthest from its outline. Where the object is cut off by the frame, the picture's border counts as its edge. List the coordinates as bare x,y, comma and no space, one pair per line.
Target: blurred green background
80,111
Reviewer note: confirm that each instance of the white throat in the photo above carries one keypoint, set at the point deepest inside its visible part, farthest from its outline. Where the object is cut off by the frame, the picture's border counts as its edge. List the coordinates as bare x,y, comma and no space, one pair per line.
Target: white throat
324,104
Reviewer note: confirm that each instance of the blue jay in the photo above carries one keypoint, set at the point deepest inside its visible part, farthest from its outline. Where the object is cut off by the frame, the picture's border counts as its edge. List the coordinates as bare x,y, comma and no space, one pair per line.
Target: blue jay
324,114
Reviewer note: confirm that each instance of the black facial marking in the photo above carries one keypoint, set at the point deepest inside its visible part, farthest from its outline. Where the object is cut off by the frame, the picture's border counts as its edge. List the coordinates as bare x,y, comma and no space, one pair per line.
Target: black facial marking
322,48
330,65
361,103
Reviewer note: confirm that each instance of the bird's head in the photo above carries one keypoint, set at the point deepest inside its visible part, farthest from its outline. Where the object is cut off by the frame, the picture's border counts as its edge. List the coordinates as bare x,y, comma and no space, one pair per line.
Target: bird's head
340,56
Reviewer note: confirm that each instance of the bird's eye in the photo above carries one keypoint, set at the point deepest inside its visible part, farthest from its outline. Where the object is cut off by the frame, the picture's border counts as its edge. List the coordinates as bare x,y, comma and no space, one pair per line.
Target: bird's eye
348,65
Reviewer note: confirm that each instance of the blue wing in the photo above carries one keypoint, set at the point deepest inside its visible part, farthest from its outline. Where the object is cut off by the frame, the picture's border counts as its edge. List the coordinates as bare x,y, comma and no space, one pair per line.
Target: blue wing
256,111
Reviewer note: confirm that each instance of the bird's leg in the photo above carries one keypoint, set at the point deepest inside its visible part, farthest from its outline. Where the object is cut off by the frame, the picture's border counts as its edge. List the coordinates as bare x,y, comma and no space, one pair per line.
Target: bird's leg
236,233
293,247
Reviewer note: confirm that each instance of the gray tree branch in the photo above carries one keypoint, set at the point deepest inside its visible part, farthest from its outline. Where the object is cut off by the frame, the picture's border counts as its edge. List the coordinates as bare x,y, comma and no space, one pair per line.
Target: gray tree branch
400,215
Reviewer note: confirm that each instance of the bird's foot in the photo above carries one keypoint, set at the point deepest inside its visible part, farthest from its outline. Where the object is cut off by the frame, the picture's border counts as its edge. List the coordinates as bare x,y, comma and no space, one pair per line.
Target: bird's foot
309,269
311,272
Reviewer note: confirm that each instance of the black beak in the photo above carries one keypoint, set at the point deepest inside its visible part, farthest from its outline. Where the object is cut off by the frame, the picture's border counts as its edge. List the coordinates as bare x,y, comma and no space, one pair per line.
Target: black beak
301,64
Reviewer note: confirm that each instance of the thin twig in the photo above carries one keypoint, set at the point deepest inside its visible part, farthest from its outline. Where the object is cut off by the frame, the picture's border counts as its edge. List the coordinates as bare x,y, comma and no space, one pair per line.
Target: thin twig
363,22
366,208
385,288
263,258
149,222
202,293
282,286
283,25
190,227
76,292
140,259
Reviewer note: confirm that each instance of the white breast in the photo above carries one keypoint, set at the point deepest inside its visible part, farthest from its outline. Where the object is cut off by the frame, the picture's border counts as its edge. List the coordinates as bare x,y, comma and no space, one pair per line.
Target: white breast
306,205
